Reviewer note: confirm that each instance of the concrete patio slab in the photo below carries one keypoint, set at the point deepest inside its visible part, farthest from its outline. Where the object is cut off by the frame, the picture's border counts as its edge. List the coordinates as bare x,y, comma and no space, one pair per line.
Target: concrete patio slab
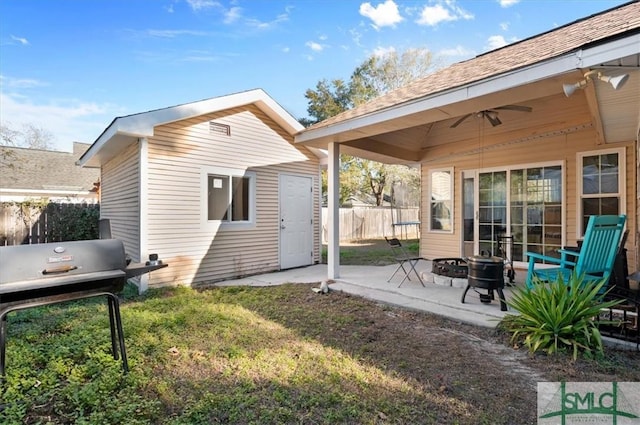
371,282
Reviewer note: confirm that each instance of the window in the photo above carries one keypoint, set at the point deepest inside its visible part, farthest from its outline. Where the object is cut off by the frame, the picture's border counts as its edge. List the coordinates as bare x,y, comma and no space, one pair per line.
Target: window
230,195
601,184
440,200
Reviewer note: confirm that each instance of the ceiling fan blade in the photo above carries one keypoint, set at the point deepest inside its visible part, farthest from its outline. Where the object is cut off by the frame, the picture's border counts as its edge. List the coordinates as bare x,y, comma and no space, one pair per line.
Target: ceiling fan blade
520,108
493,120
457,123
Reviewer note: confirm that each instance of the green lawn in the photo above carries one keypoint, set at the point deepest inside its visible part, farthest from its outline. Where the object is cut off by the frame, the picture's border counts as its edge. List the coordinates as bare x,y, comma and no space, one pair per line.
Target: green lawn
273,355
375,252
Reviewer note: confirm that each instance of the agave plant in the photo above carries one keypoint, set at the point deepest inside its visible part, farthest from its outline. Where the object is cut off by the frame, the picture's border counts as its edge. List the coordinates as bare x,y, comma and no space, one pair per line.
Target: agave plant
557,315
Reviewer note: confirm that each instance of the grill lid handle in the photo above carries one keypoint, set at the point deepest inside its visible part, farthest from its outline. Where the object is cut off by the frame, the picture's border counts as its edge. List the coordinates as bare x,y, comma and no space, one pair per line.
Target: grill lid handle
62,269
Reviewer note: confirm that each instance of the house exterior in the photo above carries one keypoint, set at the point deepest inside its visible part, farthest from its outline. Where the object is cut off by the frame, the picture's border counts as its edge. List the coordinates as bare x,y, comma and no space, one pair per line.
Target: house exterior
216,188
527,141
29,174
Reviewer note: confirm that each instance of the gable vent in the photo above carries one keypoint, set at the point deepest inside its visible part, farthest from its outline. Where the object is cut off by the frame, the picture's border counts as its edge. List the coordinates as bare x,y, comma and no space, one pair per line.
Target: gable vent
217,128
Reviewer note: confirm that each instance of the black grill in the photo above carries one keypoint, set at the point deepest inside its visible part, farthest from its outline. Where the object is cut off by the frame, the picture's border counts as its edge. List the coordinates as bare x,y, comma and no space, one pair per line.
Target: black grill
486,273
36,275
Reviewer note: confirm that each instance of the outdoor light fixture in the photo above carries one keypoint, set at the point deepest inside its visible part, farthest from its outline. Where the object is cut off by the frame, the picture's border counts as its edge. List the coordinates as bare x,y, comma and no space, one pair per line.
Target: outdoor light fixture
617,81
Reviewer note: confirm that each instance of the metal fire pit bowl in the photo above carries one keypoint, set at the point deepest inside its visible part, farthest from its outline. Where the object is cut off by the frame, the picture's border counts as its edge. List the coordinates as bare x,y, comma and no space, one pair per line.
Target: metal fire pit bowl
486,273
450,267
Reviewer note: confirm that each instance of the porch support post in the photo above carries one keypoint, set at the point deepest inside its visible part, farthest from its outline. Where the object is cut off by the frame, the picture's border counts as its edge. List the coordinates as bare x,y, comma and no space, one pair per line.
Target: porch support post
143,280
333,213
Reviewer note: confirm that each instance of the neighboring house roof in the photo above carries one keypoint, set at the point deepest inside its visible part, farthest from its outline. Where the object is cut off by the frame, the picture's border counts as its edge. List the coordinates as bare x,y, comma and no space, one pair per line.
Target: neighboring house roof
46,172
125,130
542,56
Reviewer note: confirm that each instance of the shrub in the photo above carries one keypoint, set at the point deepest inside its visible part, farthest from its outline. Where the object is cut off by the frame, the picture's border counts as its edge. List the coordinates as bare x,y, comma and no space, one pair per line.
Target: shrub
558,315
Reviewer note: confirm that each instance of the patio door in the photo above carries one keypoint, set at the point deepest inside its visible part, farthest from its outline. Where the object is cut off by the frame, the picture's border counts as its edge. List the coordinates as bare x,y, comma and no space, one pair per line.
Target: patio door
485,218
523,202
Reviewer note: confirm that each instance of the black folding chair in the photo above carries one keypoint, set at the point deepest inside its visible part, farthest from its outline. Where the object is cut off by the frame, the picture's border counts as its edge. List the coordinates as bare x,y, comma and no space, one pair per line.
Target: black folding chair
406,263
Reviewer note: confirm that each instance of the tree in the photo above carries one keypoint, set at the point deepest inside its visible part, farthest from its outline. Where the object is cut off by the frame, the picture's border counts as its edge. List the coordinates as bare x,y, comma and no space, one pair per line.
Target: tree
328,99
375,76
30,136
382,73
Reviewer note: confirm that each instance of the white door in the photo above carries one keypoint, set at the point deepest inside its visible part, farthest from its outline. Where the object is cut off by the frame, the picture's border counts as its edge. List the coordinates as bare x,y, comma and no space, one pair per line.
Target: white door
296,221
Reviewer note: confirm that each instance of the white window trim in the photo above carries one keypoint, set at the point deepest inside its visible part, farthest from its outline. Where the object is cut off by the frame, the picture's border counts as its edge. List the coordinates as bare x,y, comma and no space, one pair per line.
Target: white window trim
207,224
622,193
450,170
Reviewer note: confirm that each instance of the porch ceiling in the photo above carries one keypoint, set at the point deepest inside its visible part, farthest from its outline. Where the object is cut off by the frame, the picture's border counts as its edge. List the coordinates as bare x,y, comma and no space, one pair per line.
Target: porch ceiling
614,113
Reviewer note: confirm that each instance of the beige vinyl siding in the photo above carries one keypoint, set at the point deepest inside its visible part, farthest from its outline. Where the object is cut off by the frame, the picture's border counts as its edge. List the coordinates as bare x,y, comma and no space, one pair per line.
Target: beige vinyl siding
553,147
120,198
178,153
636,237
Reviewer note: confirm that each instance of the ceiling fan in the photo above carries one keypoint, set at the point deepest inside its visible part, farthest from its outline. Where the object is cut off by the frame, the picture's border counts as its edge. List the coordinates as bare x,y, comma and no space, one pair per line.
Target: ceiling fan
492,114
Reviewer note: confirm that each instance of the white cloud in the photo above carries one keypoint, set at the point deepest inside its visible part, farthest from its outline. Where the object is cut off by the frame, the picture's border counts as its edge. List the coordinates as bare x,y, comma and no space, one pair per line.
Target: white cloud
20,40
443,11
232,15
495,42
384,15
266,25
316,47
286,49
173,33
459,51
433,15
507,3
383,51
355,36
504,26
202,4
69,120
21,83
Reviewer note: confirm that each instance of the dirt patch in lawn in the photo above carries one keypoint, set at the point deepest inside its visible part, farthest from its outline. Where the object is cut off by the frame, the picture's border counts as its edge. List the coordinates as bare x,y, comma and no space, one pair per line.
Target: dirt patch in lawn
466,374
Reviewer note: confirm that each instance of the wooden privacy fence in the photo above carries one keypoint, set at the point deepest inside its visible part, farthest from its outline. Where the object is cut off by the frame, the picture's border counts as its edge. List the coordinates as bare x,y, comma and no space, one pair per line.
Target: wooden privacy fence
360,223
32,223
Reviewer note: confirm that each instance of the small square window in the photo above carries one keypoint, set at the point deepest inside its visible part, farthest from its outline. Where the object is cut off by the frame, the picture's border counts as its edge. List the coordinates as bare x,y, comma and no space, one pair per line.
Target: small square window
230,196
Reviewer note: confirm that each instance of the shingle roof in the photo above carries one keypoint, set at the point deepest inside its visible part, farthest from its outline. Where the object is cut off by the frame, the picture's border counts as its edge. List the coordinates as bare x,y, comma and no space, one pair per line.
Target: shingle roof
565,39
38,169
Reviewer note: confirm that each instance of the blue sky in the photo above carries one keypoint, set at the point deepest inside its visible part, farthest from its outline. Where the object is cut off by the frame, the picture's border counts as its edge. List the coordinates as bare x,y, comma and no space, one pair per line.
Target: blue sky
70,67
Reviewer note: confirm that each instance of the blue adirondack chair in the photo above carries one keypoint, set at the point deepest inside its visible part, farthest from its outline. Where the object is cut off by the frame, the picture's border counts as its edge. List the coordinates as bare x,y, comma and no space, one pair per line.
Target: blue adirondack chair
595,260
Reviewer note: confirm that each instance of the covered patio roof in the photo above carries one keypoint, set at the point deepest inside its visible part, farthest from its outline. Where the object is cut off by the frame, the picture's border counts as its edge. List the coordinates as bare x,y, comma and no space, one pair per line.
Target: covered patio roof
401,126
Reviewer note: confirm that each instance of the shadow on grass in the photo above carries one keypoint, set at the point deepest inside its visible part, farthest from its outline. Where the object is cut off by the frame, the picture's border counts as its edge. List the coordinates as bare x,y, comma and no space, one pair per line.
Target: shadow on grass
256,355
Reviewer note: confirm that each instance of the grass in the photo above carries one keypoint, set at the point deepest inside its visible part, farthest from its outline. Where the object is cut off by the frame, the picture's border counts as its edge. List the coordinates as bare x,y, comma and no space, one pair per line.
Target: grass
273,355
374,252
243,355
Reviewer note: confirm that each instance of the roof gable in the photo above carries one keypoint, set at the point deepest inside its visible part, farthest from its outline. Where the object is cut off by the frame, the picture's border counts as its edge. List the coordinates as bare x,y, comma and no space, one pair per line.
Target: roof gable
124,130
